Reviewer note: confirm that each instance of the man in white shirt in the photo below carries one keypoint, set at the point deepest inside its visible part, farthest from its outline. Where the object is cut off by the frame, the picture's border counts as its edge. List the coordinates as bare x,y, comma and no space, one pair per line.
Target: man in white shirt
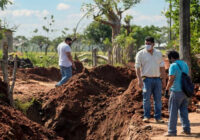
150,70
65,61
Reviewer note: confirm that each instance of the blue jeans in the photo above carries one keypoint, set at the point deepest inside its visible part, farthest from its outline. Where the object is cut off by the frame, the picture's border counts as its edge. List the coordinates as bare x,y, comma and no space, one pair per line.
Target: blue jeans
178,102
66,73
152,86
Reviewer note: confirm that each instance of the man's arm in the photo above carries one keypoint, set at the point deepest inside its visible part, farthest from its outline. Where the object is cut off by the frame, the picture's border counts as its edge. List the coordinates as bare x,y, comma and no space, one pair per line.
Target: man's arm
170,82
138,70
138,74
70,58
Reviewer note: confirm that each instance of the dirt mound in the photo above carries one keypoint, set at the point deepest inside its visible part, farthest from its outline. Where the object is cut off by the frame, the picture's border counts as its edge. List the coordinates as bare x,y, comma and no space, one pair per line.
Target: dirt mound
118,76
95,105
14,125
46,74
42,74
79,67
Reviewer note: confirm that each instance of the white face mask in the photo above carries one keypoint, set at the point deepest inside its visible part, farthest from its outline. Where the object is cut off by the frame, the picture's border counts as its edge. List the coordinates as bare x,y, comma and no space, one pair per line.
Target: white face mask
148,47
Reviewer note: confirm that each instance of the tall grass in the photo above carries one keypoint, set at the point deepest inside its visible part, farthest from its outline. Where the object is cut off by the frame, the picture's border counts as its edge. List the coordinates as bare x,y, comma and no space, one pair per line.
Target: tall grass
1,54
41,60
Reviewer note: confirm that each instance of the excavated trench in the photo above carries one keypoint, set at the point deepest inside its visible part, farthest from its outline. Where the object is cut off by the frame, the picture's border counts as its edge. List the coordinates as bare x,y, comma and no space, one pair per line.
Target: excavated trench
101,103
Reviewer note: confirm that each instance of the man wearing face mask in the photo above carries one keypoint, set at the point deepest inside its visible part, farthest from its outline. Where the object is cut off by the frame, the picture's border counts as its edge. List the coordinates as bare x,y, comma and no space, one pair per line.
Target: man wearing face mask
150,73
65,60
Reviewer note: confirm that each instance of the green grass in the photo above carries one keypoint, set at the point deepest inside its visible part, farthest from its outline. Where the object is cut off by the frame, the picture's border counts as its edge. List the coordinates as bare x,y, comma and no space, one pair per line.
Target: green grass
1,54
41,60
24,106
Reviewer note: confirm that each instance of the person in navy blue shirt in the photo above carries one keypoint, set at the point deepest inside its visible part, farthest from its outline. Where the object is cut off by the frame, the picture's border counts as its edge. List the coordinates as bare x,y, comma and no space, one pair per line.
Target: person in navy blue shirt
178,101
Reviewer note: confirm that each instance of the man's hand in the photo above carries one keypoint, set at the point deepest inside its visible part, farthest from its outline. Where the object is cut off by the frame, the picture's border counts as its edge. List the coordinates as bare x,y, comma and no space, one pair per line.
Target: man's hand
163,83
166,95
73,65
140,84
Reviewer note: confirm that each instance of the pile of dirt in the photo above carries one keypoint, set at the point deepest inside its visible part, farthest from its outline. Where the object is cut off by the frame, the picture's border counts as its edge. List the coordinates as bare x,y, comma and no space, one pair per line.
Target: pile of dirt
14,125
46,74
102,103
96,105
41,74
79,67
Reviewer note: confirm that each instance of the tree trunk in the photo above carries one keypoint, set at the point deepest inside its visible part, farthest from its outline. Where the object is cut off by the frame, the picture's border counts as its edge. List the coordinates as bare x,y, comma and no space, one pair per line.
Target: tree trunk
116,48
5,70
46,49
110,61
131,53
184,18
13,82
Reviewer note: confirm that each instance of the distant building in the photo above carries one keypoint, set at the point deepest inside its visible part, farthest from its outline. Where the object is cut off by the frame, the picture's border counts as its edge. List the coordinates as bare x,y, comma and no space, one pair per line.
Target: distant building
8,36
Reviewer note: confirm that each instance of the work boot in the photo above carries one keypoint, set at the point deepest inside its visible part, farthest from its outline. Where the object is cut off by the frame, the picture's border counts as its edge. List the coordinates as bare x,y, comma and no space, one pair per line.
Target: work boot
186,132
160,121
169,135
146,120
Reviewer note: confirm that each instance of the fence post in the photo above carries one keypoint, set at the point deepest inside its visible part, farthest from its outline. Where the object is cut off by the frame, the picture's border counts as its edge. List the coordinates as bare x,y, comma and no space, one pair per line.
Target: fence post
94,57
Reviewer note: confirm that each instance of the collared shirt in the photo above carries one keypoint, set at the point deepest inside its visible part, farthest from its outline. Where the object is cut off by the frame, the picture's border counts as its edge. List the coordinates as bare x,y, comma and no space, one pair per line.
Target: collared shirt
63,48
148,63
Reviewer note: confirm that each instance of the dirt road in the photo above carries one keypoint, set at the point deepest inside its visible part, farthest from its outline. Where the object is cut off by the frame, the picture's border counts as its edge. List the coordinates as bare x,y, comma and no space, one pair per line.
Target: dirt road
195,129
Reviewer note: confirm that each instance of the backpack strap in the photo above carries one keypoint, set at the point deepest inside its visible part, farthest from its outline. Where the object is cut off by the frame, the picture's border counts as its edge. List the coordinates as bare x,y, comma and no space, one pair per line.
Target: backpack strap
179,66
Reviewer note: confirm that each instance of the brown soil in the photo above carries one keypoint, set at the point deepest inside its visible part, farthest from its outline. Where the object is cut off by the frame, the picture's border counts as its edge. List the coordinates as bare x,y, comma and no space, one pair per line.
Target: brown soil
33,81
14,125
195,131
102,103
96,104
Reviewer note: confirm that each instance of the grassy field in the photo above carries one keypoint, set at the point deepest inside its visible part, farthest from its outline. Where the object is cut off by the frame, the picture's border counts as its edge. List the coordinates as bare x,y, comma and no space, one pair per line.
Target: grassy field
39,59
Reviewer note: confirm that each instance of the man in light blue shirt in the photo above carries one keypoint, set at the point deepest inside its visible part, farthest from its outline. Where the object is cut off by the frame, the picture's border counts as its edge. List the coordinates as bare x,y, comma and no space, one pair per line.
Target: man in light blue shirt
178,99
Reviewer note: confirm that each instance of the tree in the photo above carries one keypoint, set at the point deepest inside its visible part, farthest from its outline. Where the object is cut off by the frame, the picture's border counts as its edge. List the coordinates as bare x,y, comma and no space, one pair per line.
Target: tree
194,23
56,41
48,28
3,4
184,18
21,41
97,32
139,33
110,13
40,41
129,39
4,64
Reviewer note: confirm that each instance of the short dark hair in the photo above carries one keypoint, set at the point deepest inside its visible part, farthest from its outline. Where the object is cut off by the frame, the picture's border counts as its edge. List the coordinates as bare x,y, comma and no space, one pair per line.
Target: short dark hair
150,39
68,39
173,54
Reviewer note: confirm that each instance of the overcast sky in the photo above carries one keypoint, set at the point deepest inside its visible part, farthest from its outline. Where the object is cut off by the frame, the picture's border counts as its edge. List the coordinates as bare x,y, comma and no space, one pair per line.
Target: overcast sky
28,15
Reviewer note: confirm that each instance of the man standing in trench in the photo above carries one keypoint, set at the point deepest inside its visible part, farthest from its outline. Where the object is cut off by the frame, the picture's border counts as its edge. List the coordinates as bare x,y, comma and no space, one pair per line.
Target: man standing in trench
65,61
150,73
